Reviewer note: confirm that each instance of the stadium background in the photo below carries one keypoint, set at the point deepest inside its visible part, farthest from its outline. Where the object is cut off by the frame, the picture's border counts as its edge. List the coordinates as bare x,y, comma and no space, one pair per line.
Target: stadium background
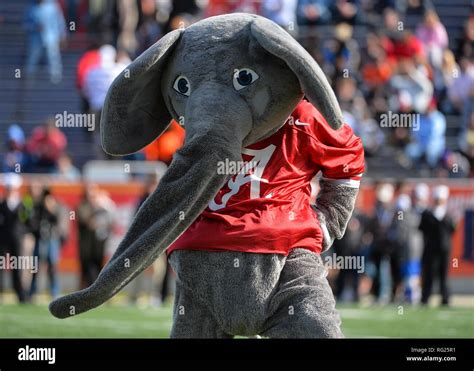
30,101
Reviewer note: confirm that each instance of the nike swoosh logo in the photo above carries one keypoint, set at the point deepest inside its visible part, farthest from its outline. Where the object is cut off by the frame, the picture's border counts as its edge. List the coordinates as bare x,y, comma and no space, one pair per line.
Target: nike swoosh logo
299,123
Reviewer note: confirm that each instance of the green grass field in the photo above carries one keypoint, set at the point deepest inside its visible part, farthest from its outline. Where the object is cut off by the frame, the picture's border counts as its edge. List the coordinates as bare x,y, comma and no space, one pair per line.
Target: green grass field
115,321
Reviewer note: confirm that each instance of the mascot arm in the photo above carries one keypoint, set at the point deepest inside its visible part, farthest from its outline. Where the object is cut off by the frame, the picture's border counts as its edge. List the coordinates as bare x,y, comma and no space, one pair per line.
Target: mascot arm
340,156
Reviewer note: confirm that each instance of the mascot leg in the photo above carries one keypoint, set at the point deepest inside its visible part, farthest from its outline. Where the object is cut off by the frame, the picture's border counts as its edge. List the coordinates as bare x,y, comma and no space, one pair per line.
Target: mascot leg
191,317
303,306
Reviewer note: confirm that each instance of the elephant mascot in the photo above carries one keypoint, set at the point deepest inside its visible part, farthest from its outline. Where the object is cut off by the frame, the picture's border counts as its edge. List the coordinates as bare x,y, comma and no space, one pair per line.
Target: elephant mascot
233,210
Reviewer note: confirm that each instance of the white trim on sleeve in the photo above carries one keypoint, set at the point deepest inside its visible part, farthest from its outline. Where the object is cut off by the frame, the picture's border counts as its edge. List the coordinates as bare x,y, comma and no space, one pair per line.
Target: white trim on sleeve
352,183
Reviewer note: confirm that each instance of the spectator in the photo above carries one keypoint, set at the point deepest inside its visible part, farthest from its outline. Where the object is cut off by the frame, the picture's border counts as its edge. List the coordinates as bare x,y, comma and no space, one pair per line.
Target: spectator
11,230
347,11
160,266
465,48
402,45
49,235
127,11
148,28
466,140
443,78
351,244
376,70
341,53
437,227
434,38
98,80
413,90
95,220
183,12
313,12
370,133
429,141
46,27
164,147
416,8
401,233
66,170
462,88
89,60
45,146
122,60
420,195
351,100
282,12
381,250
15,159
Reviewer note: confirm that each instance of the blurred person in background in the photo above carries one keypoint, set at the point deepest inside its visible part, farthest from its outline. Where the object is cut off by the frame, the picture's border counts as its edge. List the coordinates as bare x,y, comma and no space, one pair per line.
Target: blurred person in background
164,147
45,146
122,60
443,78
429,141
437,227
434,37
351,244
95,222
404,223
66,169
159,281
378,227
351,100
465,48
98,79
401,44
282,12
184,12
375,69
29,200
415,7
47,30
14,159
461,91
313,12
88,61
11,230
127,17
47,216
420,196
371,134
347,11
413,91
341,54
149,30
466,143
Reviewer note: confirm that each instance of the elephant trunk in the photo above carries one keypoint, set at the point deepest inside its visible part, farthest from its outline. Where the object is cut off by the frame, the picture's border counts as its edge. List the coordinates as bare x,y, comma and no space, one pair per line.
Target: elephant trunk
189,184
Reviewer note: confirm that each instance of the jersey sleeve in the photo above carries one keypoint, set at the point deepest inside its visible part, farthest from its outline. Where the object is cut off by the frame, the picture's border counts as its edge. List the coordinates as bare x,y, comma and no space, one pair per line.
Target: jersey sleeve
339,154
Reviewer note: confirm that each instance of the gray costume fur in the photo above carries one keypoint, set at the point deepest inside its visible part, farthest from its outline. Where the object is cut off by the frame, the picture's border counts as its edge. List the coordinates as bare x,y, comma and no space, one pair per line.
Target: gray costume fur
189,75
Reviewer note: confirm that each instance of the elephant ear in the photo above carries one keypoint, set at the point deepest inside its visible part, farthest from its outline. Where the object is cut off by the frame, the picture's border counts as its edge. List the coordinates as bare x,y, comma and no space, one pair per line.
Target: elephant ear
313,82
134,112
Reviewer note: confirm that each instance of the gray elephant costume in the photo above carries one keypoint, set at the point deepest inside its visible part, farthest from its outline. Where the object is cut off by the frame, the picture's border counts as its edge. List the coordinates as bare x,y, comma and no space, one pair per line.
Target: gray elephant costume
245,246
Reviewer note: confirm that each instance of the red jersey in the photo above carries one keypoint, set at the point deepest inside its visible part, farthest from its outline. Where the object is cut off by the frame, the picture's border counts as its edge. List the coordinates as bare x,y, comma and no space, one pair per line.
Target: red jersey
266,207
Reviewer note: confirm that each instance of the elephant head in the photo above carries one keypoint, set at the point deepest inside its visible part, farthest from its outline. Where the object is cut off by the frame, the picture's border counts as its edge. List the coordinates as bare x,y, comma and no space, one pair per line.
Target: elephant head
231,81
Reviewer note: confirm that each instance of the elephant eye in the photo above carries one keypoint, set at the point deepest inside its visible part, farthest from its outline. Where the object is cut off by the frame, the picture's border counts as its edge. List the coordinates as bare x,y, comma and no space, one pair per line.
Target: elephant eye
182,85
243,78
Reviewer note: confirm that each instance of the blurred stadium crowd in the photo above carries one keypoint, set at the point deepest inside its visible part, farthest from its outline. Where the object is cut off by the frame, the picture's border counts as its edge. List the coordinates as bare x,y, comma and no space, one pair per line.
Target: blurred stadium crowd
405,243
391,68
